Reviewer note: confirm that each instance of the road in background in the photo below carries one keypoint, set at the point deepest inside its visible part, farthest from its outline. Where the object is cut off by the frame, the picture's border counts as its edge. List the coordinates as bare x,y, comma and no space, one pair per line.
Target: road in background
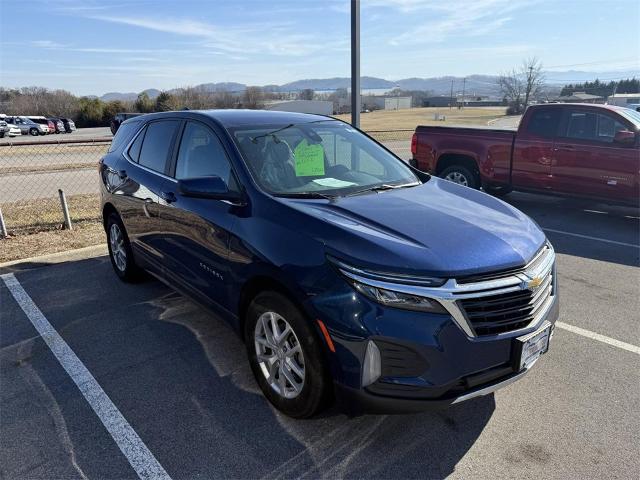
179,376
80,134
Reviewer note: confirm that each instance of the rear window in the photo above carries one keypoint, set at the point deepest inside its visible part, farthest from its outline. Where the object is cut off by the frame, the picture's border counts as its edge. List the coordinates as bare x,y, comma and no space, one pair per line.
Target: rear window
123,135
157,141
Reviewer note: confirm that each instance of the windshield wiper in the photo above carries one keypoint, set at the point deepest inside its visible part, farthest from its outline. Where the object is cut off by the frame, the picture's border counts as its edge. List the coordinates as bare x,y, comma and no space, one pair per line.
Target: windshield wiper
379,188
305,195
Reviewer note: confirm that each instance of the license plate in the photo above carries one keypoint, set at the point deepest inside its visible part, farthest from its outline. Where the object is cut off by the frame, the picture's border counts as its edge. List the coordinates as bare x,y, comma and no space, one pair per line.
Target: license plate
533,345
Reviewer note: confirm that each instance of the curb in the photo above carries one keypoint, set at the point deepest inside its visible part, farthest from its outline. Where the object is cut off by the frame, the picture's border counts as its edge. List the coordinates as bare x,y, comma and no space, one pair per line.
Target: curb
60,257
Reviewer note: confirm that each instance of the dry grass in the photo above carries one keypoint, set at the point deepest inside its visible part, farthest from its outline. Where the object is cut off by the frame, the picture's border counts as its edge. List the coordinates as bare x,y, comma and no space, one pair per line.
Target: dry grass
84,234
29,216
46,168
411,118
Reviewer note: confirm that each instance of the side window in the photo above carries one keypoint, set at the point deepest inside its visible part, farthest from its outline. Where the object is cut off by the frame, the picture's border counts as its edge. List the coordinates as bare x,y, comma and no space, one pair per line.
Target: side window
136,146
201,154
607,128
594,127
157,141
123,135
544,122
581,126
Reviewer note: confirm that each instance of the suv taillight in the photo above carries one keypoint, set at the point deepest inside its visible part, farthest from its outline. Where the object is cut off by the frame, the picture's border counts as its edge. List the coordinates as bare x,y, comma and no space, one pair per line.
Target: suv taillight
414,144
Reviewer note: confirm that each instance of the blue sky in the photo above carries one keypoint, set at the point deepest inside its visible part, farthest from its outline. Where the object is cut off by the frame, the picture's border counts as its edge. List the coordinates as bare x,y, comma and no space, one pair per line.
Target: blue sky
96,46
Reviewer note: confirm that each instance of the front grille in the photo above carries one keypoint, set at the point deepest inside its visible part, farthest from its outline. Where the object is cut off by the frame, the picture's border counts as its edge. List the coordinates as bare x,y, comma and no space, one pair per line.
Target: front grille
506,312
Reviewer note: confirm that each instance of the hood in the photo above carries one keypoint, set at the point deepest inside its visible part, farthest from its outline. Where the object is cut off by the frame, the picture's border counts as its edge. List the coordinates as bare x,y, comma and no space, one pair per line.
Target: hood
438,228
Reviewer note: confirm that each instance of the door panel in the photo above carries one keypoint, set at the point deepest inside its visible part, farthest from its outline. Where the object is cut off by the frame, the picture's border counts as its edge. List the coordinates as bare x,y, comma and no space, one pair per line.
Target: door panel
196,231
534,148
142,186
588,162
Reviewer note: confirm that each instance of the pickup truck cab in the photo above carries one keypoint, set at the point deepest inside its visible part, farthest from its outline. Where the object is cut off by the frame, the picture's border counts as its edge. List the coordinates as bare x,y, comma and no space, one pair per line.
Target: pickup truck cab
569,149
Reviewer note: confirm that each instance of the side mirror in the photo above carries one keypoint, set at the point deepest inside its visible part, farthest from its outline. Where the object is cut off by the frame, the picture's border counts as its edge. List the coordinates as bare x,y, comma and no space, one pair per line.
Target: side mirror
212,187
624,136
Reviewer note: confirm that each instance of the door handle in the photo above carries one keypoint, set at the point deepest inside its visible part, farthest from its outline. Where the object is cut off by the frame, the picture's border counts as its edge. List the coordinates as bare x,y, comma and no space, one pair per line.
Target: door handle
168,197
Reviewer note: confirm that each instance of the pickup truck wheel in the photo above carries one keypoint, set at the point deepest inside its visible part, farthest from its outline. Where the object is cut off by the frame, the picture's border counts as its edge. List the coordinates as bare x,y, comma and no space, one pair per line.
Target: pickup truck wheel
286,356
460,175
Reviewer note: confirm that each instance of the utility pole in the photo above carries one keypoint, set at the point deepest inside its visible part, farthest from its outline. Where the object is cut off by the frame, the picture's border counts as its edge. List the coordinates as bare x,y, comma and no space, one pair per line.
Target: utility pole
464,84
355,63
451,96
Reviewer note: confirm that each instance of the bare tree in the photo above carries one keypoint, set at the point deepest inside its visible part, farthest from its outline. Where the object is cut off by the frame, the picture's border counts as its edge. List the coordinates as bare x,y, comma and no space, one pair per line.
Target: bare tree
522,85
253,98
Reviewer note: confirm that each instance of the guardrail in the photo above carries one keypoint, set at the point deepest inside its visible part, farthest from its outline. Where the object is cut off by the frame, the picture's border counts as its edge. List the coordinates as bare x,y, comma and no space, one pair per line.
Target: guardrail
33,172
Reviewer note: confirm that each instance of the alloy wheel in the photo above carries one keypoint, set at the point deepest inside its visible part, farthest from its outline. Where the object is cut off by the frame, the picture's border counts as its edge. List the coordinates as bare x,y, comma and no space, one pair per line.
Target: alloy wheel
116,240
279,355
457,177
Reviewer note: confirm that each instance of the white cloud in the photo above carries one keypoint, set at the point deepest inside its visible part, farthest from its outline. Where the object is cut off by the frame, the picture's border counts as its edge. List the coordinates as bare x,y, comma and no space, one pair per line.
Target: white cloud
274,38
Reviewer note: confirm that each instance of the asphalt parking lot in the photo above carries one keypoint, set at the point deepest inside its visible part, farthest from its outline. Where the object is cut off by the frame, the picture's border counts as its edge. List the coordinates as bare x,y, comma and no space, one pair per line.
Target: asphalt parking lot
179,379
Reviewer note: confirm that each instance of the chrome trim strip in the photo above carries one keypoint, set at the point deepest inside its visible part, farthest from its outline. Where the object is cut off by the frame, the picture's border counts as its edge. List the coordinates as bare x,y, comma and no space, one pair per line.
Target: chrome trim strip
451,292
491,388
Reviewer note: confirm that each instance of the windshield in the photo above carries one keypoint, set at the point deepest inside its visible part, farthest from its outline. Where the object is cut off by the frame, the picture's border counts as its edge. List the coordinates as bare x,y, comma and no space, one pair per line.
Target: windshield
631,115
322,158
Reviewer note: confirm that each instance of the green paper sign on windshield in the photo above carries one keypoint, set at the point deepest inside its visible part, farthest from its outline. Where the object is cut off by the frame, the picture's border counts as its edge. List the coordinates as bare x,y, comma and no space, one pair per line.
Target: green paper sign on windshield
309,159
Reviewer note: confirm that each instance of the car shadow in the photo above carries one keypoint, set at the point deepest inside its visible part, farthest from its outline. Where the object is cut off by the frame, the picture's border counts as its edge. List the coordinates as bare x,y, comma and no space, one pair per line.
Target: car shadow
330,445
580,228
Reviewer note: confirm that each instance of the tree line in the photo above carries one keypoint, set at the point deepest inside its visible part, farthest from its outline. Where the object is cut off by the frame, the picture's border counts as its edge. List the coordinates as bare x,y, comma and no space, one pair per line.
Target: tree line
94,112
603,89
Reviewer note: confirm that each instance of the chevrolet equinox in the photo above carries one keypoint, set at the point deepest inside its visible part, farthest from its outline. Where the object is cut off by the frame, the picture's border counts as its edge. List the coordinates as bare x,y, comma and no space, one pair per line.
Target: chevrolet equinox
350,275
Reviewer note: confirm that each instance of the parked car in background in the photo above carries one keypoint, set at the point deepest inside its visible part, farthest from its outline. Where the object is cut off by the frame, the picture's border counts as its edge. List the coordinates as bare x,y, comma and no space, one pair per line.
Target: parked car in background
58,124
119,118
347,272
8,129
583,150
69,125
43,121
27,126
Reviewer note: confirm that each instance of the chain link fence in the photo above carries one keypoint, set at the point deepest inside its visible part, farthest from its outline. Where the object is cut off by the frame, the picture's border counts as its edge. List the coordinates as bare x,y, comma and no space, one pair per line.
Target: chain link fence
32,173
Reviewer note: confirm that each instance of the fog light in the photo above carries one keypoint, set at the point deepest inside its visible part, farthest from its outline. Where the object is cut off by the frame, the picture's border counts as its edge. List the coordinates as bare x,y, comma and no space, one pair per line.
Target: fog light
371,368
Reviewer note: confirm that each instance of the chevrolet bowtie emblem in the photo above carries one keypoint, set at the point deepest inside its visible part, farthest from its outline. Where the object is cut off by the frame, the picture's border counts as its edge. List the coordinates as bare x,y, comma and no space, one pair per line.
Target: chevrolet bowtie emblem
534,283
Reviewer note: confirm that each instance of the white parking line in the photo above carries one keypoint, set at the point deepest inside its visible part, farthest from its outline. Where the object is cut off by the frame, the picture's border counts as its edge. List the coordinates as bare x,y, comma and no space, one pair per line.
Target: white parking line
598,337
139,456
597,239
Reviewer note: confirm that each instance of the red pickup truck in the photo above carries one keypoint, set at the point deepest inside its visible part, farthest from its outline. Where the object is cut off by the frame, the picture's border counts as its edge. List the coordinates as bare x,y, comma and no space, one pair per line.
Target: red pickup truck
571,149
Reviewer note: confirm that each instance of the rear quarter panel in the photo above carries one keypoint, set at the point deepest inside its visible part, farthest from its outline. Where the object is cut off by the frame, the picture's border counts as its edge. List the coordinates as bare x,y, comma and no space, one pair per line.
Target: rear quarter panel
489,148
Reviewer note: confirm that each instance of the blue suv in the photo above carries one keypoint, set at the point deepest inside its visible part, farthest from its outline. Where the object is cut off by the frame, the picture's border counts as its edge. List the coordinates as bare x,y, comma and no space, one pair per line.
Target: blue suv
350,275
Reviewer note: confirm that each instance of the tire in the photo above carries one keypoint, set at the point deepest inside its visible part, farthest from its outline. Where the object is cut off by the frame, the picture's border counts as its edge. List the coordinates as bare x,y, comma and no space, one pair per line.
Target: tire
34,132
461,175
1,134
497,191
120,251
299,351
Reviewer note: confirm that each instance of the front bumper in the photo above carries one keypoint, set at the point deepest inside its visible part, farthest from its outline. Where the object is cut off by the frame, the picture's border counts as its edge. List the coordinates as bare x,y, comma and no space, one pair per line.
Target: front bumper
450,368
358,401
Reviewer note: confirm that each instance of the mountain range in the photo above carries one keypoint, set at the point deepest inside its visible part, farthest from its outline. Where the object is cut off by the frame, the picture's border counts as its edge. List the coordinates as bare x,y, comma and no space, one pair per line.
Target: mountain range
485,85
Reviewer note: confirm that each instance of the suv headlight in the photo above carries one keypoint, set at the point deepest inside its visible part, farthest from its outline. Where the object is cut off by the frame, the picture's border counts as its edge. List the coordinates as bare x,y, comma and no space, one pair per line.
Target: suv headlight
398,299
379,287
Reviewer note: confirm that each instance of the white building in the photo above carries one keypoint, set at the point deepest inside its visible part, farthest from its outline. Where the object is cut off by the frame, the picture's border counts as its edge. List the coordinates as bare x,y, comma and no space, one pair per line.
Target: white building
624,99
319,107
389,103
